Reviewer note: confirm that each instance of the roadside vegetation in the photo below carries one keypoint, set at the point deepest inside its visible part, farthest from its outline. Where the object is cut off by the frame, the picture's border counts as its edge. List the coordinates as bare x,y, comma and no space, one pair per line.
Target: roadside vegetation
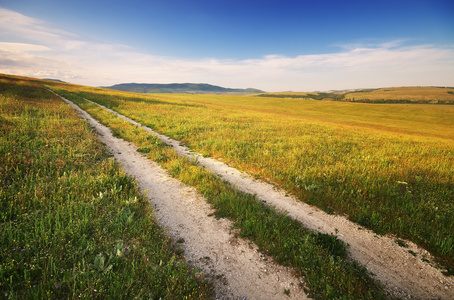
387,167
72,224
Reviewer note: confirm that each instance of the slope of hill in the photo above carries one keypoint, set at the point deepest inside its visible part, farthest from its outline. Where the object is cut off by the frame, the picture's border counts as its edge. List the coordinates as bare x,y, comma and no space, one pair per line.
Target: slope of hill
415,94
184,88
421,95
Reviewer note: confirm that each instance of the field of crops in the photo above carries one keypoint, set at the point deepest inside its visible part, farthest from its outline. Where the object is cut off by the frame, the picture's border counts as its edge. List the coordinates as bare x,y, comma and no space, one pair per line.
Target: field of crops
388,167
72,224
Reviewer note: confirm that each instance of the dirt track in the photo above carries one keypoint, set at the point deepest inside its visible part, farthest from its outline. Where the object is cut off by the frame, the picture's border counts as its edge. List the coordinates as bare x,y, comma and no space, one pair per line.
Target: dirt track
241,270
238,270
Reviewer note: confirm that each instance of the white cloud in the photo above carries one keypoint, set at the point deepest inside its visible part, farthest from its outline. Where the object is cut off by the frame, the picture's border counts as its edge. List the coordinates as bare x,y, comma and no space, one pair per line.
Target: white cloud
23,47
32,47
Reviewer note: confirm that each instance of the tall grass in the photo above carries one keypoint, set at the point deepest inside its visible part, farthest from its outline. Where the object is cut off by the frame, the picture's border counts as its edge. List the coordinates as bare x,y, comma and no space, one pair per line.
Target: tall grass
387,167
72,224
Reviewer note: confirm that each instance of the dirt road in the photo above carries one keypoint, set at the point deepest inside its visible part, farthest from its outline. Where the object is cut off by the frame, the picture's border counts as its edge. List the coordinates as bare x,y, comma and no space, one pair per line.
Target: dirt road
238,270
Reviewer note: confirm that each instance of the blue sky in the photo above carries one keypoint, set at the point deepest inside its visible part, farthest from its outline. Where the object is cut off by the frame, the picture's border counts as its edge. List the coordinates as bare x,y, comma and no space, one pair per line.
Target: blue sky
280,45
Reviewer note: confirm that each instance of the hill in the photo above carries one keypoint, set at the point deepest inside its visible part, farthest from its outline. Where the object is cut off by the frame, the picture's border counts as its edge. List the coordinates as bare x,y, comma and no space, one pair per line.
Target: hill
52,79
421,95
182,88
416,94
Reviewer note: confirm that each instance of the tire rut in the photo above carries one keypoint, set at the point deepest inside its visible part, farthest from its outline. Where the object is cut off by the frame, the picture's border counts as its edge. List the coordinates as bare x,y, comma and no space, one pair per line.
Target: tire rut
234,265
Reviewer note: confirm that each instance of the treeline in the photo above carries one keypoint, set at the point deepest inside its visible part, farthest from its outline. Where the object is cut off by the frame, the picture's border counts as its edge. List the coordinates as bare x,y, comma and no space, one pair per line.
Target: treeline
330,96
318,96
341,97
399,101
283,96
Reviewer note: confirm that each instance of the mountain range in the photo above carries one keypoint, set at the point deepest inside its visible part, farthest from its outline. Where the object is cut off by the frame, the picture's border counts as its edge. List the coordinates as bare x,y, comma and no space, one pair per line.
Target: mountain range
183,88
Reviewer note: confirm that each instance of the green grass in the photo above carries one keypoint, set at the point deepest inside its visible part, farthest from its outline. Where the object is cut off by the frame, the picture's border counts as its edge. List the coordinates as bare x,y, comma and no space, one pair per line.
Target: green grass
387,167
319,258
72,224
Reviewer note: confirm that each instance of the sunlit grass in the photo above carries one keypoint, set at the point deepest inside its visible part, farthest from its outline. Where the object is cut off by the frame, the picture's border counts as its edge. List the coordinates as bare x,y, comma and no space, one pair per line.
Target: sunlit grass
319,258
388,167
72,224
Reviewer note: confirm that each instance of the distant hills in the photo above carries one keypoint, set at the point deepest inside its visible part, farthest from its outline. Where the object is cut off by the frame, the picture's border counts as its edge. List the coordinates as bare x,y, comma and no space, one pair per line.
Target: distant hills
183,88
51,79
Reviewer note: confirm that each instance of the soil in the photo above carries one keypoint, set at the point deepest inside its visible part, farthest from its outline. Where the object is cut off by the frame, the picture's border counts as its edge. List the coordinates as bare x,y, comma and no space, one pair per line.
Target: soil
238,270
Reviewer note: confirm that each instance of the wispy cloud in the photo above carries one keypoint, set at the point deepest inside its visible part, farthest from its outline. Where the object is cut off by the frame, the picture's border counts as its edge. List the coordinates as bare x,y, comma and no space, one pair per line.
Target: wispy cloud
19,28
33,47
23,47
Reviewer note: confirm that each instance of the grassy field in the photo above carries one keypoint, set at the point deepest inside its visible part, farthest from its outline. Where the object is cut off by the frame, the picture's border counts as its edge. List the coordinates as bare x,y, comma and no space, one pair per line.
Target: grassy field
387,167
321,259
72,224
